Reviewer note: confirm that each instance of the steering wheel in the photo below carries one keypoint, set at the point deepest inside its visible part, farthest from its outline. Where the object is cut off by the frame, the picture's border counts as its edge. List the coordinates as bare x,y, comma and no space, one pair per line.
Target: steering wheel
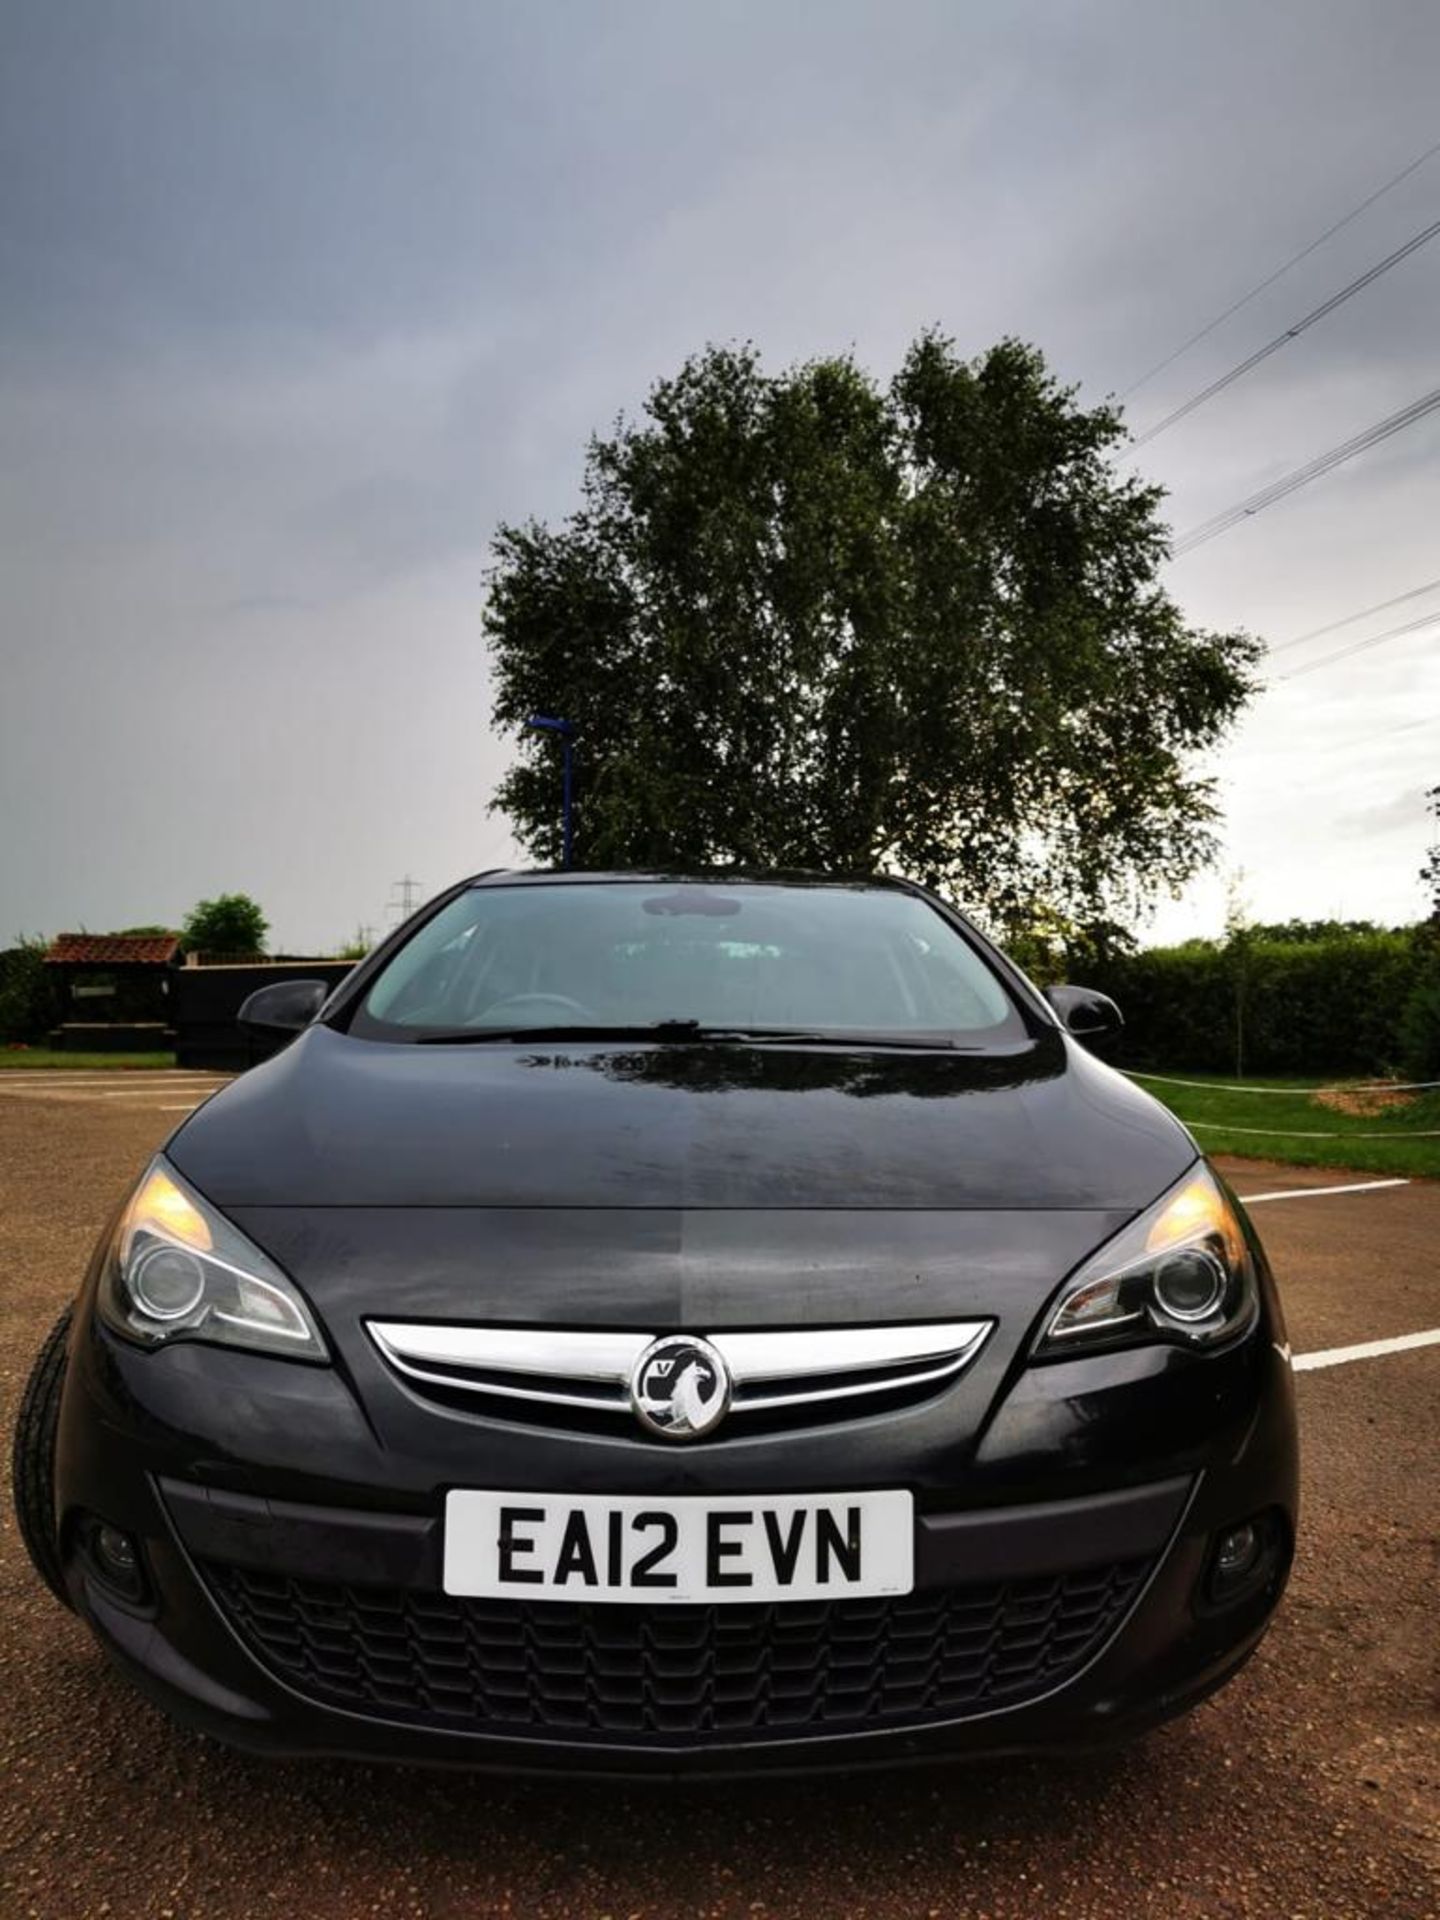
520,1005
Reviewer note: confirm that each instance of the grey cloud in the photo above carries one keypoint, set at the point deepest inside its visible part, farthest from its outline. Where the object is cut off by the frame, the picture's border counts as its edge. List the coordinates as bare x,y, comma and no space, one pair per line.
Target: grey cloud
299,299
1406,813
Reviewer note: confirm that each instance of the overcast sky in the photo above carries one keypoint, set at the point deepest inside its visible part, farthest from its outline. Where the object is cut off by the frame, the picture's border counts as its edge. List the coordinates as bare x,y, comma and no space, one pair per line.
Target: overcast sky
298,297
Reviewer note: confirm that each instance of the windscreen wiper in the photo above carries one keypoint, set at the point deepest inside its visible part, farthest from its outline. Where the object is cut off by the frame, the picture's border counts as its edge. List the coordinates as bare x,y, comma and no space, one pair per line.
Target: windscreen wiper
841,1037
694,1030
475,1036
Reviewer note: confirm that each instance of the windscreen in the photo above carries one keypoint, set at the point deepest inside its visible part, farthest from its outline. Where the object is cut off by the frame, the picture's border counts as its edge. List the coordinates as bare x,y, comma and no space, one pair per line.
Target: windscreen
748,957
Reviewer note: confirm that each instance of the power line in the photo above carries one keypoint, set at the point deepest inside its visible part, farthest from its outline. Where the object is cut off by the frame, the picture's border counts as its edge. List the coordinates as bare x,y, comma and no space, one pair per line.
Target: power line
1383,733
1270,279
1290,333
1359,646
1312,470
1406,726
1381,606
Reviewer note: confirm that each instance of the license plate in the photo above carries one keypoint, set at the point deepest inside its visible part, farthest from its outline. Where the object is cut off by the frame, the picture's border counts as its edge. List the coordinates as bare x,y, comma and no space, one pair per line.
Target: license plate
648,1552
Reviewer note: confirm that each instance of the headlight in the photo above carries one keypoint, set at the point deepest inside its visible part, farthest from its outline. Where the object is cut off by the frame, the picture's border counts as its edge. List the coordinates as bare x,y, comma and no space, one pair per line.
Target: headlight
1182,1272
178,1270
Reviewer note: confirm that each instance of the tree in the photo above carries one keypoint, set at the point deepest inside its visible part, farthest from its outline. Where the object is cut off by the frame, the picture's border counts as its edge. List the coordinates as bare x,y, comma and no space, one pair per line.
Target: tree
1051,948
803,621
1302,933
1420,1021
1239,945
230,923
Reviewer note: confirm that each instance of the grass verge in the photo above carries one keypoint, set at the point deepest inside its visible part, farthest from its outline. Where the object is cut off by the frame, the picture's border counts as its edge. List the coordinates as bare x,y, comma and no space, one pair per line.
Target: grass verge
1288,1122
23,1058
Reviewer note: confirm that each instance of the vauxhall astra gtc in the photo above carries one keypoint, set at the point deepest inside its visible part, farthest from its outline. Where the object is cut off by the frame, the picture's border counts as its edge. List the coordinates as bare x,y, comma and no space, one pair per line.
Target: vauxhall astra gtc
671,1322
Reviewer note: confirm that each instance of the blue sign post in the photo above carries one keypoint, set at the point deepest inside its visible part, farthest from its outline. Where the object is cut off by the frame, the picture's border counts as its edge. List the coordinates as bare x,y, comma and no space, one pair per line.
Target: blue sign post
566,731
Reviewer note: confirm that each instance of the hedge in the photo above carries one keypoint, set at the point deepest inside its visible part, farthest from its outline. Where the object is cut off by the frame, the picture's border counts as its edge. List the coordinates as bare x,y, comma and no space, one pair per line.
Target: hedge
1301,1007
29,1004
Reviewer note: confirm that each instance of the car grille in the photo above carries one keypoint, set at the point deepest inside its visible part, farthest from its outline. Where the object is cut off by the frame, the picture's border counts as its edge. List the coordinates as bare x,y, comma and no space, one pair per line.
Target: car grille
581,1379
670,1675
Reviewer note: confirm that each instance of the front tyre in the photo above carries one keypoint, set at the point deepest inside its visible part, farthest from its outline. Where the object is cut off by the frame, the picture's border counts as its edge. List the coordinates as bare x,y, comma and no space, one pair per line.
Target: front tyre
33,1457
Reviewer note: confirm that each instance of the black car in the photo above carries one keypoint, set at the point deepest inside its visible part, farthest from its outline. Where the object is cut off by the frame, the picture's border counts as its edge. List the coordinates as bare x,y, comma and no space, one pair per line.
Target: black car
671,1323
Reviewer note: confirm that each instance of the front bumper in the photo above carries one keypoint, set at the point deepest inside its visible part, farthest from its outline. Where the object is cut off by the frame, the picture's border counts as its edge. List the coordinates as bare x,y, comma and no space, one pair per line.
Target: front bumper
1062,1605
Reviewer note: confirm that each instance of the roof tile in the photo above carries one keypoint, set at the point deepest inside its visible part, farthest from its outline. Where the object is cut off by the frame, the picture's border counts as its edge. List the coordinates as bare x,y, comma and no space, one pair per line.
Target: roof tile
113,949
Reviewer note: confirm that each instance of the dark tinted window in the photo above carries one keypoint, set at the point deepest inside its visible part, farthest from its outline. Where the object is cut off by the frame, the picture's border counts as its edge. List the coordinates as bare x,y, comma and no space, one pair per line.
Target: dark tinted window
748,956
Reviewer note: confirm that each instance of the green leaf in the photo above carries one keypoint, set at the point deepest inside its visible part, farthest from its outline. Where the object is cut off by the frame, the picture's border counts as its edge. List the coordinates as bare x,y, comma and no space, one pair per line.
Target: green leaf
801,620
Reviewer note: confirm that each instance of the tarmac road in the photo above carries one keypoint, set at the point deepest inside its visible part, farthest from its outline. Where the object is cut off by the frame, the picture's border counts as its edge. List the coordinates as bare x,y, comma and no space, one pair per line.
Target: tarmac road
1310,1787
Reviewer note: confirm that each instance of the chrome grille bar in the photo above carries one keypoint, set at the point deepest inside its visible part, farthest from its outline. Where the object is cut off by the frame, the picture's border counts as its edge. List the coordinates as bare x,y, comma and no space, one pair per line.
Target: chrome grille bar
557,1352
794,1355
770,1369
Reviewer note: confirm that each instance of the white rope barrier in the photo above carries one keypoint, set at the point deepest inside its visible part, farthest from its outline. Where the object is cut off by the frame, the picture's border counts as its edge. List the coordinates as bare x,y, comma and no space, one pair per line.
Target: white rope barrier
1229,1086
1300,1133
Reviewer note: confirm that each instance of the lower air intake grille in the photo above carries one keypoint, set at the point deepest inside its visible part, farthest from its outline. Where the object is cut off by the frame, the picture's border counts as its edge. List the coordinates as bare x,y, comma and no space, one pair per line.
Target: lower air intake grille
657,1676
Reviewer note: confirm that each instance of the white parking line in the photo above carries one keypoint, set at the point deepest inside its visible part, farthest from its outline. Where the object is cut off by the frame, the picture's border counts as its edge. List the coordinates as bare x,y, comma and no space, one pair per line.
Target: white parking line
18,1072
136,1093
1315,1193
41,1077
84,1097
104,1093
1367,1350
46,1082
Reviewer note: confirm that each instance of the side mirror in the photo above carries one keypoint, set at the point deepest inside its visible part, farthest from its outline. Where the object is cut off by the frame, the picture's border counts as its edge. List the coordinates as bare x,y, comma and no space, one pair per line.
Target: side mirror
1089,1015
279,1012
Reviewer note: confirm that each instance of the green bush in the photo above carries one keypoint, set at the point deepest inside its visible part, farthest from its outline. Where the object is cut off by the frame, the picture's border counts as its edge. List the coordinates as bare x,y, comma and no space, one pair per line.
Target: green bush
29,1004
230,923
1311,1006
1420,1026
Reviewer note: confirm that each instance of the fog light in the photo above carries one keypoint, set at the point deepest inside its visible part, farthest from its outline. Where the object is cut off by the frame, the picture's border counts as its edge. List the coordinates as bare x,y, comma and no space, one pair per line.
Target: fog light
1237,1552
115,1555
1245,1560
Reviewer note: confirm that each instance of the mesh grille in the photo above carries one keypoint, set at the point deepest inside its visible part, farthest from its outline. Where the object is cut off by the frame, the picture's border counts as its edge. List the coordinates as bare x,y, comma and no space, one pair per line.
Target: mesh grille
666,1675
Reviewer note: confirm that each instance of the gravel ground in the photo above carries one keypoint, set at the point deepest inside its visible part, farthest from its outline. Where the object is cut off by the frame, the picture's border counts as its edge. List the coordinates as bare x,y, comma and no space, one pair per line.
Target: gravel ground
1310,1787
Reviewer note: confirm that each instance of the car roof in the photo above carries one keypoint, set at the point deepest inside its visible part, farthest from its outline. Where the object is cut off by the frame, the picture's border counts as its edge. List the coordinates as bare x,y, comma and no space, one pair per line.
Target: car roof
687,876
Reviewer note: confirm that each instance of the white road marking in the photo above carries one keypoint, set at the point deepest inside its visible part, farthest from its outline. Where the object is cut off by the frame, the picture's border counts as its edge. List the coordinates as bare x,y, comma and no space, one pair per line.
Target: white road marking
62,1096
22,1072
82,1077
58,1090
102,1093
1314,1193
1367,1350
18,1081
190,1109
